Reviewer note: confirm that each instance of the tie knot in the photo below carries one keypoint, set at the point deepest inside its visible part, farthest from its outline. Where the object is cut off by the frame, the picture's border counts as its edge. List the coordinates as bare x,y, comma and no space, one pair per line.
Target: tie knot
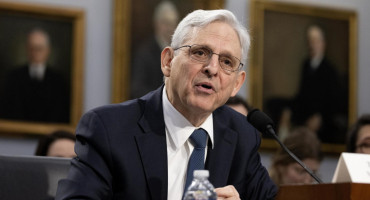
199,138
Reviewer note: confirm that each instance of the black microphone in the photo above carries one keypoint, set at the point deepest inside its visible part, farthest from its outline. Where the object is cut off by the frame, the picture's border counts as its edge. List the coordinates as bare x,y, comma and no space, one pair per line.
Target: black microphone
264,124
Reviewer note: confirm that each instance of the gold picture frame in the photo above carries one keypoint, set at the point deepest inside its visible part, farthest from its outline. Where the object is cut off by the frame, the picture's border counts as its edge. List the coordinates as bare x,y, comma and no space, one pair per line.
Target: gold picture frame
61,24
278,31
122,41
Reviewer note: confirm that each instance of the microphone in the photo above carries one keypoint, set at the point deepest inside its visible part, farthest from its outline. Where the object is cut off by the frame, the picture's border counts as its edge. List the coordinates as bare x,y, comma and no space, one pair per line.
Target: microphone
264,124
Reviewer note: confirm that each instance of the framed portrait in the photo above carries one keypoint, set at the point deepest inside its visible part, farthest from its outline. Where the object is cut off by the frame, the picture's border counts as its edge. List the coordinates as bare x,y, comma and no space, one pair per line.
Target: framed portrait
303,69
141,30
41,68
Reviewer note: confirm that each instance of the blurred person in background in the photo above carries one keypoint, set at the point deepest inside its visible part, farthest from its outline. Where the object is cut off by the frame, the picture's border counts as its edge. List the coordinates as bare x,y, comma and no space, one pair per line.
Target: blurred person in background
306,146
318,103
239,104
57,144
35,91
359,136
145,70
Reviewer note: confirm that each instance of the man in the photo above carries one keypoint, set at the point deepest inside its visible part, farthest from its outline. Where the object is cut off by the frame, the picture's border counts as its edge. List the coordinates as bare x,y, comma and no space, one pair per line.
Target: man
318,102
145,73
34,91
143,148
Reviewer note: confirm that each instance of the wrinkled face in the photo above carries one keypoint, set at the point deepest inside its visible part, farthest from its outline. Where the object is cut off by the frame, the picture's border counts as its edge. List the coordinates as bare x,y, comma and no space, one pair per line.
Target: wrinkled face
295,174
62,148
363,140
38,48
194,87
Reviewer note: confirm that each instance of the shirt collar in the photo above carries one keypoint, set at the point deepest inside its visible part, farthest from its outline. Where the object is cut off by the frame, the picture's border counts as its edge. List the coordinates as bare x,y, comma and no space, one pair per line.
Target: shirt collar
37,71
178,126
316,61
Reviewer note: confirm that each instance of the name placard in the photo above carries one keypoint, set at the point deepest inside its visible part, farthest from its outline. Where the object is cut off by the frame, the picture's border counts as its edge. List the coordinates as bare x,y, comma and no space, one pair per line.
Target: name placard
353,167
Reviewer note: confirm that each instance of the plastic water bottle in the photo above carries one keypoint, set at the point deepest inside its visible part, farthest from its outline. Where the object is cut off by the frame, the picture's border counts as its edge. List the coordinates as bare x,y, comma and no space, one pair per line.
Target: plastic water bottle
200,188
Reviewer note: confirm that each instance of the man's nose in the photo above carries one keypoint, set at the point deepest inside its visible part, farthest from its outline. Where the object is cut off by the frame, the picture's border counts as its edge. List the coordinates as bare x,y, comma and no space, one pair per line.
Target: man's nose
213,66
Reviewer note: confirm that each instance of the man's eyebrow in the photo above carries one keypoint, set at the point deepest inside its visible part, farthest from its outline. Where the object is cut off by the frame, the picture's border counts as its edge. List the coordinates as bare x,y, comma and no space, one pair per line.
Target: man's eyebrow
225,53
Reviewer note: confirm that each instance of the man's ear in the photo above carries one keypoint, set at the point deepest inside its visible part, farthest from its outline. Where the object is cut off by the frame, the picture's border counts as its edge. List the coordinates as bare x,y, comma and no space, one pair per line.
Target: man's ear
166,59
239,82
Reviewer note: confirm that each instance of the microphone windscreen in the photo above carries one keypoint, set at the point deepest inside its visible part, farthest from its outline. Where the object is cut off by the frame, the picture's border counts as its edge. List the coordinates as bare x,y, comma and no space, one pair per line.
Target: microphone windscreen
259,120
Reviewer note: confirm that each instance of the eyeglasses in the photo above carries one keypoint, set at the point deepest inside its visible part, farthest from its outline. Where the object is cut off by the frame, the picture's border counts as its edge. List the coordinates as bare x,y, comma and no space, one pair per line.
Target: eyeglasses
204,54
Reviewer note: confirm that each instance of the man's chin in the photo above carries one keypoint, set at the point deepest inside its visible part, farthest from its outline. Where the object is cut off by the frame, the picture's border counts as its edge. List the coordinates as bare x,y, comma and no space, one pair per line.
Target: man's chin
204,105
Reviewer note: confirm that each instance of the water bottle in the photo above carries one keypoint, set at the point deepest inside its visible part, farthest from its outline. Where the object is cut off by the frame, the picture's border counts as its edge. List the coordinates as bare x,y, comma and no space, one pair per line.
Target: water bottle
200,188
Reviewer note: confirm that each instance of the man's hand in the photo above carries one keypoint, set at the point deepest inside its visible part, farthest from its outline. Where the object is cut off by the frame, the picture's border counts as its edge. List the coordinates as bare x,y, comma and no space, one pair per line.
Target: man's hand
227,193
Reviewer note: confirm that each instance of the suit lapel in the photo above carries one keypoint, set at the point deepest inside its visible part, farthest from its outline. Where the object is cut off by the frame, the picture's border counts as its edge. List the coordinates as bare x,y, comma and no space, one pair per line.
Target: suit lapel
153,149
219,159
152,145
154,159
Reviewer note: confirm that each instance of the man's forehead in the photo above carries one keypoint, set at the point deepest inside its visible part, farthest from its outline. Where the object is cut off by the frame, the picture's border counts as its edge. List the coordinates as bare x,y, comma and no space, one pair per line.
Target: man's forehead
38,38
217,35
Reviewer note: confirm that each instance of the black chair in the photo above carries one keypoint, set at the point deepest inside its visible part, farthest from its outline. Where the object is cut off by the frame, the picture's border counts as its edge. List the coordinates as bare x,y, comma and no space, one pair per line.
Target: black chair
31,177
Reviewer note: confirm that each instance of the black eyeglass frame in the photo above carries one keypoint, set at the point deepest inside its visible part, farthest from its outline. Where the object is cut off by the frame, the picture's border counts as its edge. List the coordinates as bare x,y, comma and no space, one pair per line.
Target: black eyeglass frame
240,66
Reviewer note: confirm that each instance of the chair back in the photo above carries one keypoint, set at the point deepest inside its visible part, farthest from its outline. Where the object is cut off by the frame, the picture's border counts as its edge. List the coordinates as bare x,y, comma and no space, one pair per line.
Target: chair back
31,177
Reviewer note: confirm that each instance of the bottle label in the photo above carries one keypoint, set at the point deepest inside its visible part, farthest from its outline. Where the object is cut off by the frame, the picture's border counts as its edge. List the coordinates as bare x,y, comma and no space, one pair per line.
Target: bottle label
198,195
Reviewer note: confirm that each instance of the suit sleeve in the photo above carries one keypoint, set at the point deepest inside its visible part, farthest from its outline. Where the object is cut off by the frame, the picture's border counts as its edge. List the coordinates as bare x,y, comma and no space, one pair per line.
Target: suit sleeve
89,176
258,182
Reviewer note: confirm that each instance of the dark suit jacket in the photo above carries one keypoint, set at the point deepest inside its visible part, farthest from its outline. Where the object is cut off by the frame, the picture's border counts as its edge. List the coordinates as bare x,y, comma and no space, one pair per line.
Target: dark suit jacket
122,154
23,98
320,91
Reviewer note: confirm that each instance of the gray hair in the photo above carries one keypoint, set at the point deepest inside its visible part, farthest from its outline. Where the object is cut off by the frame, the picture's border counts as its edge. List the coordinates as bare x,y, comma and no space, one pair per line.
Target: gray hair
201,18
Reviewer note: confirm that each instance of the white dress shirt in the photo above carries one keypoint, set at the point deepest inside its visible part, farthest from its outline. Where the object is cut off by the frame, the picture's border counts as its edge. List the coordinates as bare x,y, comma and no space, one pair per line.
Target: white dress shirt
37,71
179,149
316,61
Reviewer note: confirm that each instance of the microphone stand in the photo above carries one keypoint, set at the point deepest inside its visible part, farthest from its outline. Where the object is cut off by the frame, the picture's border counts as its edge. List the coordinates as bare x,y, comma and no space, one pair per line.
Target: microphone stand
272,132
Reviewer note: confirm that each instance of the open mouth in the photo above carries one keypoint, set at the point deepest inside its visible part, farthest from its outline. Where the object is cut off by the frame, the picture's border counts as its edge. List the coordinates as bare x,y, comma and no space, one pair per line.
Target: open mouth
206,86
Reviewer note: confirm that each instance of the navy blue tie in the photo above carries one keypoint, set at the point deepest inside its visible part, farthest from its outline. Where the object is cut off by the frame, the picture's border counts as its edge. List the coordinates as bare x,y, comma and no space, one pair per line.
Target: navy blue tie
199,139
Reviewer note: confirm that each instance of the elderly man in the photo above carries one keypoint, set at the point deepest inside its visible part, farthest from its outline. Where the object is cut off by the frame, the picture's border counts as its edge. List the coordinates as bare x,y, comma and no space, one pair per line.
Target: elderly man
144,148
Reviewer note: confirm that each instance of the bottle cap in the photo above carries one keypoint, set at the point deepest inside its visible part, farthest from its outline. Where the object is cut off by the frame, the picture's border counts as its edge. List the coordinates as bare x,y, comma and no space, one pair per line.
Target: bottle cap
201,173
